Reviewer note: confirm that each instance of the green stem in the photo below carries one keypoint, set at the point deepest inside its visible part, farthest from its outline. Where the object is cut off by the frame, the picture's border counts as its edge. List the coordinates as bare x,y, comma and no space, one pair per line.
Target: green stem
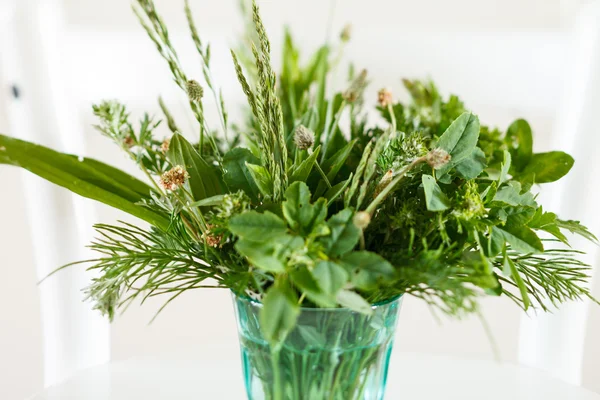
392,117
381,196
323,175
275,354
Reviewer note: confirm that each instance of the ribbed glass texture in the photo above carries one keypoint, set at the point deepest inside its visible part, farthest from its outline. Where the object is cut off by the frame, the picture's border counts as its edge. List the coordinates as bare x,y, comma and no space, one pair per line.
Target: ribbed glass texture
332,354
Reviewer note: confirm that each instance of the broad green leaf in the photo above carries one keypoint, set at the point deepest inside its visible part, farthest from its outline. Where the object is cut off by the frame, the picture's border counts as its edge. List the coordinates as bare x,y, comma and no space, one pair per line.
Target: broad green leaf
344,235
367,269
204,180
521,238
435,199
279,314
257,227
520,143
510,266
262,178
333,193
296,208
460,139
85,177
472,166
299,213
237,175
354,302
511,194
547,167
505,168
304,280
330,276
303,170
261,255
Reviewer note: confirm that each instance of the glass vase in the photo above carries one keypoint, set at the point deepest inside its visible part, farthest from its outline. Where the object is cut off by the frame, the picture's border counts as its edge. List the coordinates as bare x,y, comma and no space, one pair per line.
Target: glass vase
332,354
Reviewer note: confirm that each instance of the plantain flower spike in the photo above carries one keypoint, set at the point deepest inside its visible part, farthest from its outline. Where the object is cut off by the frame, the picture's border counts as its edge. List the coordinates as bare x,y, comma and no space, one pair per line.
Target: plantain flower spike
346,34
304,138
437,158
384,97
174,178
194,90
164,147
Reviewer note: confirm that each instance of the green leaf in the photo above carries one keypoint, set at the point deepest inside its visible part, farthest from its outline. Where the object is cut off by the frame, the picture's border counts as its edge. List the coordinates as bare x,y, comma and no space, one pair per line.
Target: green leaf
368,269
520,143
435,199
547,167
521,238
546,221
505,168
354,301
209,201
493,245
237,175
204,180
460,139
310,119
304,280
303,170
510,266
262,179
344,235
257,227
261,255
576,228
332,165
511,194
279,314
299,213
330,276
337,190
472,166
88,178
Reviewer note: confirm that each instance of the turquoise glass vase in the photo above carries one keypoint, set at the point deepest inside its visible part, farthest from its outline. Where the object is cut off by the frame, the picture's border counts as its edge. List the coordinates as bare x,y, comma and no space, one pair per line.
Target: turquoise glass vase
332,354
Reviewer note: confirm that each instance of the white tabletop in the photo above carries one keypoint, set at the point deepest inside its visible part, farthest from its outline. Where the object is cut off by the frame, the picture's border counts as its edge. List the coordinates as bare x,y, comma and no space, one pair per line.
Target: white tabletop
411,376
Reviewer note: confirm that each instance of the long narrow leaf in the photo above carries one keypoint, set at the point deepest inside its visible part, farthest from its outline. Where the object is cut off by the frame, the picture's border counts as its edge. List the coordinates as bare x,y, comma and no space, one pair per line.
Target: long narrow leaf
88,178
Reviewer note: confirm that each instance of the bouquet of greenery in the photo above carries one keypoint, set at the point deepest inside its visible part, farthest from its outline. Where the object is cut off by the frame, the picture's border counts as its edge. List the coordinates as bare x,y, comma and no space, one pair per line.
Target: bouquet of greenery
309,203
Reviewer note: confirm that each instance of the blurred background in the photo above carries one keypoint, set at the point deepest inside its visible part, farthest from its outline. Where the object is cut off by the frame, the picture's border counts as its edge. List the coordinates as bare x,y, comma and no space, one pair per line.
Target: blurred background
506,59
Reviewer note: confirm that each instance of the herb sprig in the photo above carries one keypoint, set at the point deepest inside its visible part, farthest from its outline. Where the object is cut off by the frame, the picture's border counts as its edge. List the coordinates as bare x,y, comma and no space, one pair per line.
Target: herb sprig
321,208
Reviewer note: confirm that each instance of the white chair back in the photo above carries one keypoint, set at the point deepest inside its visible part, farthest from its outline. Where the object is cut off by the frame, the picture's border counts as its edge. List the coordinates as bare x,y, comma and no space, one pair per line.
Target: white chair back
556,342
74,337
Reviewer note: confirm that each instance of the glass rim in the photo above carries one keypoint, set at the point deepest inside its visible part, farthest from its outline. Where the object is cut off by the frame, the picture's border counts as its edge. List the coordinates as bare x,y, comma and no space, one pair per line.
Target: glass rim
381,303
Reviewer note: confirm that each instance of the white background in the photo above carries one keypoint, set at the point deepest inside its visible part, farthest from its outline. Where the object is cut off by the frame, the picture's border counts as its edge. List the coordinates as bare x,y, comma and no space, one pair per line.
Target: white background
516,66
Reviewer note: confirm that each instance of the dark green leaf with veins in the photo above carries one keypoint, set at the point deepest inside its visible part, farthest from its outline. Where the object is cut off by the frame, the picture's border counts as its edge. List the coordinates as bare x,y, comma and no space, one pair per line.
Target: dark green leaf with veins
237,175
257,227
459,140
547,167
302,216
204,181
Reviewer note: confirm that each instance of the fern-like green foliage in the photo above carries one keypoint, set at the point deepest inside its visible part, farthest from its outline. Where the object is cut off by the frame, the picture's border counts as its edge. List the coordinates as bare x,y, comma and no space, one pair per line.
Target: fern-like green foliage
319,207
